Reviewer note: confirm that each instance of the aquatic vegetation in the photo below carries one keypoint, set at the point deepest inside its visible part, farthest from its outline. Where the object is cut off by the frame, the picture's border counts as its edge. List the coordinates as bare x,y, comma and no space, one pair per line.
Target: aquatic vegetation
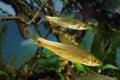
82,45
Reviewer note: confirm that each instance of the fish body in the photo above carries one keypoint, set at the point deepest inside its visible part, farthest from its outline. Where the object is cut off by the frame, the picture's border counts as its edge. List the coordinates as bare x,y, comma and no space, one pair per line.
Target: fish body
69,52
67,22
66,51
91,75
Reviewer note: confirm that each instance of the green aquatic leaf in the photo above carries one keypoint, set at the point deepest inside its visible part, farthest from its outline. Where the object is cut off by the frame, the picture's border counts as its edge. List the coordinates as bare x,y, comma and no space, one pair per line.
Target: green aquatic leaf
107,66
79,67
51,62
5,74
111,51
60,75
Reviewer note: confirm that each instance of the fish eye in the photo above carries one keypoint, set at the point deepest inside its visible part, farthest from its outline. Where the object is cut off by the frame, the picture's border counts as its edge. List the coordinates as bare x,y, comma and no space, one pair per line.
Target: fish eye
38,41
84,26
93,60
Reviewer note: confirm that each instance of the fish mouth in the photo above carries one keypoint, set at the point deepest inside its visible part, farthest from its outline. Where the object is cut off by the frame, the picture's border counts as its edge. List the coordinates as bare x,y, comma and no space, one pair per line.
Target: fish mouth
99,63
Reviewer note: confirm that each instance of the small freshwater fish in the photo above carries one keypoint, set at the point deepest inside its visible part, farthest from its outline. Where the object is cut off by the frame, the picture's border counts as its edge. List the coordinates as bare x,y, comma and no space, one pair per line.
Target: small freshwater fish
66,51
91,75
67,22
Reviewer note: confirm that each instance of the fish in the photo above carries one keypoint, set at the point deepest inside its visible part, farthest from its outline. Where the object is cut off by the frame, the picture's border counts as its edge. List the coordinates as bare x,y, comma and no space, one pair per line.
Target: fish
68,52
67,22
91,75
66,39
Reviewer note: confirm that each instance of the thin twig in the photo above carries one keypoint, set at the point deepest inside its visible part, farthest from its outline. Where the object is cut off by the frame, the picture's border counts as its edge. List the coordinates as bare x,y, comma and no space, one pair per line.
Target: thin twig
29,22
13,18
38,30
9,18
46,35
37,12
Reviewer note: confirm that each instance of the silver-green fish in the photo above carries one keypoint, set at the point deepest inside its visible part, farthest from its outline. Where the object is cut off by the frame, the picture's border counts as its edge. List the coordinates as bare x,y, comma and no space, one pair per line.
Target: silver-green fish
66,51
91,75
69,52
68,22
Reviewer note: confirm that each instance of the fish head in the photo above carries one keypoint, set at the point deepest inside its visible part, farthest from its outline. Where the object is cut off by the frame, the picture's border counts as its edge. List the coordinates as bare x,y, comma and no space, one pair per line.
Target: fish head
81,27
91,61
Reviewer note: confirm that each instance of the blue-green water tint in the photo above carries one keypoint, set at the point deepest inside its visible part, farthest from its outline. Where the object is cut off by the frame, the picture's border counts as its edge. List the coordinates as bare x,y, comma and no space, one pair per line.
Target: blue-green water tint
7,8
12,46
87,40
58,6
118,58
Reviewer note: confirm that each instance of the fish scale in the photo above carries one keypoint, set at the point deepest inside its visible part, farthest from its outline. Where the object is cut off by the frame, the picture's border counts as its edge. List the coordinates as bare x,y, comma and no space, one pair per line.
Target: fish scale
69,52
68,23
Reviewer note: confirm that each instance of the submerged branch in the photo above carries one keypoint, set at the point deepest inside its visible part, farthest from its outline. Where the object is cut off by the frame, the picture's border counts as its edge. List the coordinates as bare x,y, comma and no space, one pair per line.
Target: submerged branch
29,22
37,13
13,18
9,18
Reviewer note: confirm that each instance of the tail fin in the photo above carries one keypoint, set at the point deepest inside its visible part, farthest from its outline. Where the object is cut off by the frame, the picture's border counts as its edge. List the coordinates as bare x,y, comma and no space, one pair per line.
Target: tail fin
28,42
31,40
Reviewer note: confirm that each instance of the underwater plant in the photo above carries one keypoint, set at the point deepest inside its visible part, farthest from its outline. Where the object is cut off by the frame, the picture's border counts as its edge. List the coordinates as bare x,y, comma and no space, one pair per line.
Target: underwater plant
84,43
